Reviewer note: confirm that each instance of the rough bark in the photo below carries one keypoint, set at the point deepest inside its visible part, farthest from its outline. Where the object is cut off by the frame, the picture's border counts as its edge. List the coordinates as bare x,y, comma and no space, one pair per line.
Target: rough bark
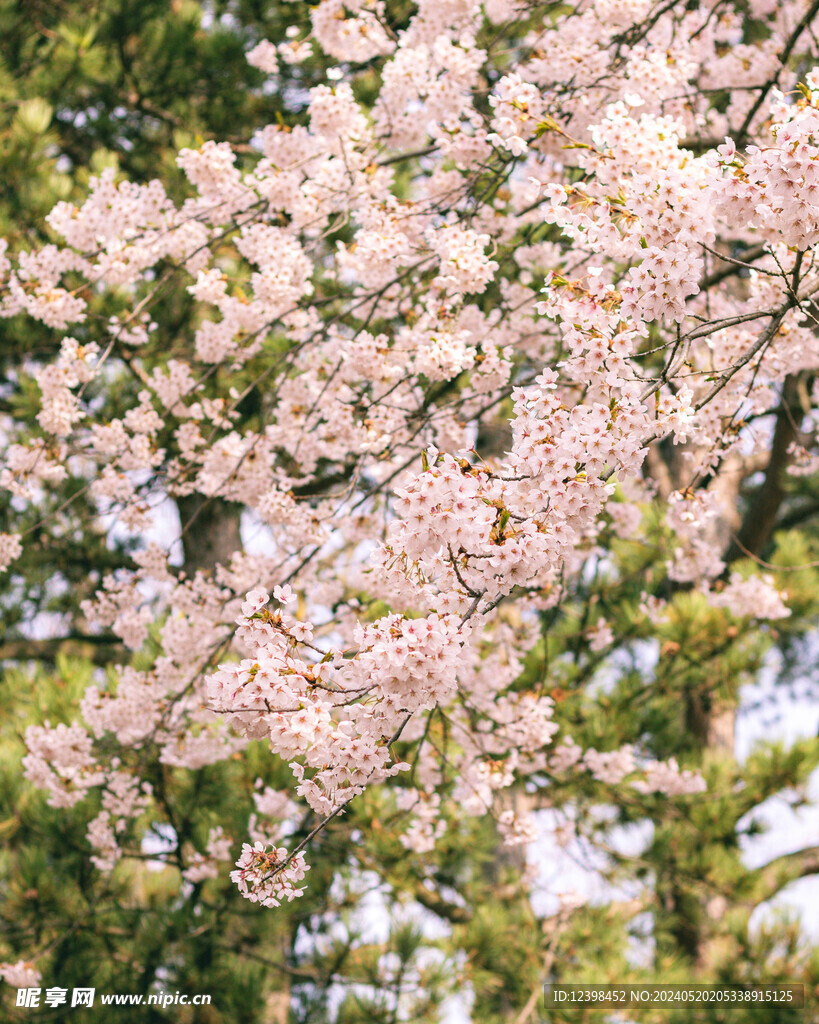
210,531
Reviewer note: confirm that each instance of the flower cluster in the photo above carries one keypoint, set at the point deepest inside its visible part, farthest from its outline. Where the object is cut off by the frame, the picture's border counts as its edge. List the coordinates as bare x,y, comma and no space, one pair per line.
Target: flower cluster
269,876
202,866
755,597
666,777
61,760
442,350
20,974
11,547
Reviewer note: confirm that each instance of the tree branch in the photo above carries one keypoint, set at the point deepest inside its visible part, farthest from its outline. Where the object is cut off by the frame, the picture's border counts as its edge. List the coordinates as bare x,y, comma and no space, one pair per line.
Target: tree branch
809,15
760,519
102,650
776,874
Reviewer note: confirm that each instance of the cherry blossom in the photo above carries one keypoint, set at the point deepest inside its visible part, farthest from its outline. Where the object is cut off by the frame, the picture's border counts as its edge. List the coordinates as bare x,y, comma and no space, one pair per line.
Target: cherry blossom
469,315
20,974
268,876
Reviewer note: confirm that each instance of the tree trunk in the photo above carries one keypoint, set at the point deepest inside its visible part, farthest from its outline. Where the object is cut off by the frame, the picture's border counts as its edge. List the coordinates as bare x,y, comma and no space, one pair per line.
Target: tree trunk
210,531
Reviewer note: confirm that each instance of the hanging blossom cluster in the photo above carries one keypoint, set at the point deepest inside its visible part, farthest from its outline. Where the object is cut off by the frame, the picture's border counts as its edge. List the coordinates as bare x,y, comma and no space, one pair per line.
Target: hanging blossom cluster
462,375
269,876
336,715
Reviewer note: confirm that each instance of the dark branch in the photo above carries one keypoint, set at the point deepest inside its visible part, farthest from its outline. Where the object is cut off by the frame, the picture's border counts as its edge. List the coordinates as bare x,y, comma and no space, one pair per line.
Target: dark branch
102,649
760,519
